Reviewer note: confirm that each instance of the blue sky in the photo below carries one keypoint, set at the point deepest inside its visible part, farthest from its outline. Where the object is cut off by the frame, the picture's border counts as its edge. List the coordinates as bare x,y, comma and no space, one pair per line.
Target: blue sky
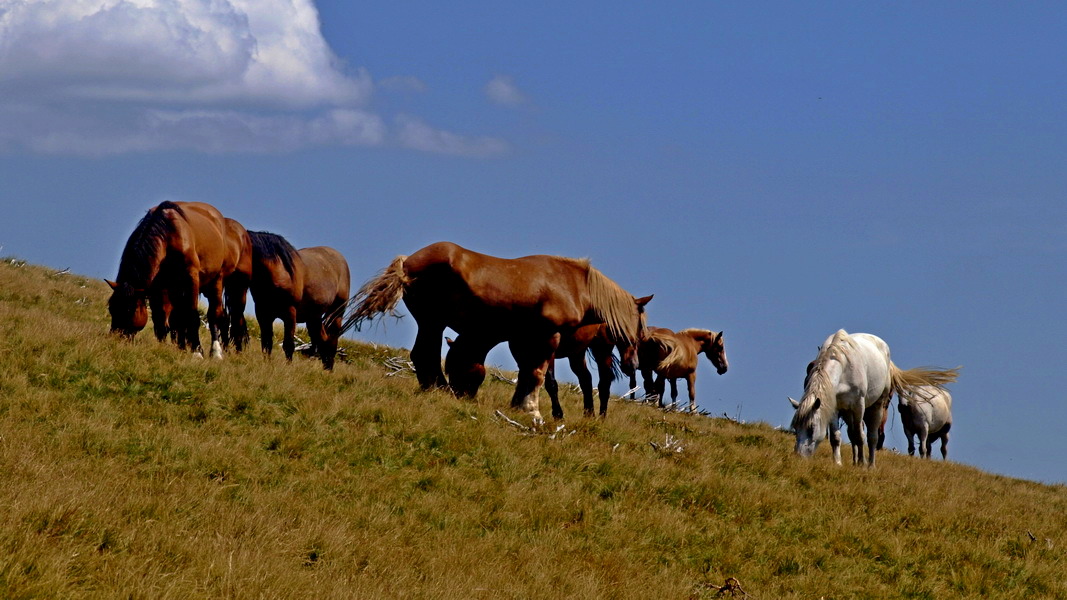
777,170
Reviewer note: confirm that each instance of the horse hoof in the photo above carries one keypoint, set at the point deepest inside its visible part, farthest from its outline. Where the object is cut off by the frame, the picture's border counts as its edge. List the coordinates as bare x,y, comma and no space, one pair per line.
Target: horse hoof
538,420
198,354
216,350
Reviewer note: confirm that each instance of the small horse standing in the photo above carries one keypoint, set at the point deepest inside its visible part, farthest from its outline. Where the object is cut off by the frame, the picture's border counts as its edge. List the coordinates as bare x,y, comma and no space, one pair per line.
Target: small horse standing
595,340
674,355
529,302
176,252
926,413
308,286
853,378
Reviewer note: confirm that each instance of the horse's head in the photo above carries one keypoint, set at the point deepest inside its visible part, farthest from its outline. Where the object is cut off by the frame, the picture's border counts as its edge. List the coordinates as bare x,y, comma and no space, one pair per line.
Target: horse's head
628,348
129,309
807,425
714,348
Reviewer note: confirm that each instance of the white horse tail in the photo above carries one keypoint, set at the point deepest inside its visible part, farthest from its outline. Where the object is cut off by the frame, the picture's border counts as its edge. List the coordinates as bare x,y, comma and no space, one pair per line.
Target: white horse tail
907,381
378,295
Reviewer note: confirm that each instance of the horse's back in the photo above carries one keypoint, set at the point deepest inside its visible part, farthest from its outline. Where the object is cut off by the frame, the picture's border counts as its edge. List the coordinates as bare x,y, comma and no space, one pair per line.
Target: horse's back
476,289
326,276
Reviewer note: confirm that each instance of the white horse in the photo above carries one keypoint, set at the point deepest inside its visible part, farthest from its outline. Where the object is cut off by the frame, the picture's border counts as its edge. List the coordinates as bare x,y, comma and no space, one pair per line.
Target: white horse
926,413
853,378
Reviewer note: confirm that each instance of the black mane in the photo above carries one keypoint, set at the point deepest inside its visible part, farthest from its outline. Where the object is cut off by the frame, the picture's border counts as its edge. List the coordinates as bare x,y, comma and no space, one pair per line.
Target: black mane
141,251
270,246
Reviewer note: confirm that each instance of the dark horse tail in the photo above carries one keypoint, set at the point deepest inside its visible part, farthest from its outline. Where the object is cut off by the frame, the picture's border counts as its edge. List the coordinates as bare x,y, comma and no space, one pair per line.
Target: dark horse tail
271,246
380,294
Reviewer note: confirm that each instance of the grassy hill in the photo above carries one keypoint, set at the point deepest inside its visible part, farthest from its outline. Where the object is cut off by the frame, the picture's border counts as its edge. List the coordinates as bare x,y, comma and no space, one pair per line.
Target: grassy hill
135,470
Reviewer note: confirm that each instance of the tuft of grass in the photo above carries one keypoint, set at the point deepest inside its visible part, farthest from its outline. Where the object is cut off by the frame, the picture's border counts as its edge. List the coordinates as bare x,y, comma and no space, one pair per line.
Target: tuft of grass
133,469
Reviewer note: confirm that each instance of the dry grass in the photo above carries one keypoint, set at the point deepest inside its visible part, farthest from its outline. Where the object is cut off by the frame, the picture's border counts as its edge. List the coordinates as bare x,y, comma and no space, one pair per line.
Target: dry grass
134,470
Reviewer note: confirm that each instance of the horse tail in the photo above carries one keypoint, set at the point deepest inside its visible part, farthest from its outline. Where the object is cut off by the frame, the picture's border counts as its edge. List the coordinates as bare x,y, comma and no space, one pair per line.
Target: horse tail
378,295
908,381
613,305
669,348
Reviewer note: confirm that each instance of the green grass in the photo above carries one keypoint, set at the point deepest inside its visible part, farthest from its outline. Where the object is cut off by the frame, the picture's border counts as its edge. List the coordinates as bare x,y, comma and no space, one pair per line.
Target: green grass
134,470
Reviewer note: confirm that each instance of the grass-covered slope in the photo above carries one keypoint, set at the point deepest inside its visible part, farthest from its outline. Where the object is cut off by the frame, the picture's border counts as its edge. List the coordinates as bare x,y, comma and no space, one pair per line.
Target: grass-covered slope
134,470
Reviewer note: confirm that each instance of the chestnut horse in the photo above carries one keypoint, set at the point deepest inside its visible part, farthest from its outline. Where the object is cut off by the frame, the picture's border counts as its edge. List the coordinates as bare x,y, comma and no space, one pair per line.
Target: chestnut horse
308,286
178,251
530,302
853,379
674,355
595,340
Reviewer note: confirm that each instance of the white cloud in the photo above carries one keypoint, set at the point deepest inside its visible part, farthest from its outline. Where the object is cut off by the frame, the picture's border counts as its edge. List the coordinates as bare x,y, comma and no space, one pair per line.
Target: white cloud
100,77
413,133
502,90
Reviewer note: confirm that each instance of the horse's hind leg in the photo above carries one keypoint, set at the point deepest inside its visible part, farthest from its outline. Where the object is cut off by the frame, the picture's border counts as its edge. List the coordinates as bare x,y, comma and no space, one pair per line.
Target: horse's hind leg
289,331
426,356
691,387
266,328
872,418
944,446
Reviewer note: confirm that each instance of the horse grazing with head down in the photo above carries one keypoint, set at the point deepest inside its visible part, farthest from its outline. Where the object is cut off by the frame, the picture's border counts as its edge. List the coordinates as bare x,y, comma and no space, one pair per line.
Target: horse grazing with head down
926,413
674,355
530,303
885,409
853,378
178,251
309,286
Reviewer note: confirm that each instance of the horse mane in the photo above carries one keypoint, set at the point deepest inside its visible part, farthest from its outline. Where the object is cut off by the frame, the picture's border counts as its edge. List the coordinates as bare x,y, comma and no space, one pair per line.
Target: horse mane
679,355
142,248
612,304
819,384
272,246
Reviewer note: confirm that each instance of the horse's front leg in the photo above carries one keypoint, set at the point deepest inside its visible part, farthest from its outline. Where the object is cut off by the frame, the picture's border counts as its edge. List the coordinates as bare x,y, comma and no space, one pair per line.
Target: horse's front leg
606,372
552,387
691,386
872,418
191,312
835,440
215,315
532,355
160,305
856,436
585,382
236,291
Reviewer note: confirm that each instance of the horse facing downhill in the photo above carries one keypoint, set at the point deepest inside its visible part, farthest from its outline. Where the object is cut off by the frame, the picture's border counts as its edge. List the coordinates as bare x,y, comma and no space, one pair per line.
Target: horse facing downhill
178,251
853,378
674,355
529,302
307,286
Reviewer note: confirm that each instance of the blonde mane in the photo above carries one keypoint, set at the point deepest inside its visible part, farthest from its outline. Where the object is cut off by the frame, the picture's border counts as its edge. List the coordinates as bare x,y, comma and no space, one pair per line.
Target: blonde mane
612,304
819,383
680,355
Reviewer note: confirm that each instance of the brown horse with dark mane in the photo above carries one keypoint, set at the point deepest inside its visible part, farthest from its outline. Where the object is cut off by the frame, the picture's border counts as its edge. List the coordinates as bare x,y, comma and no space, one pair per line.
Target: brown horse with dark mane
530,302
178,251
307,286
674,355
596,341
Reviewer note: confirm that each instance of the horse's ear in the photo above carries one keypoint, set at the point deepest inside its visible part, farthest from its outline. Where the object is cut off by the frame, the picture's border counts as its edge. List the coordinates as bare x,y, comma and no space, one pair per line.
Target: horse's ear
718,337
793,402
643,301
113,284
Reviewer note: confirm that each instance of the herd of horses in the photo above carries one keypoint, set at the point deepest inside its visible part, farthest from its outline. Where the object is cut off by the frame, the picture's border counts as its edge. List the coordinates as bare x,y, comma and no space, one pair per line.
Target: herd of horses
544,307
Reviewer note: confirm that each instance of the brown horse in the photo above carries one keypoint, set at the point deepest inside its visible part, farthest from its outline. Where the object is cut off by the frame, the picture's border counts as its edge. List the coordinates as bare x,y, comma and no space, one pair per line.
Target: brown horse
529,302
176,252
596,341
673,355
308,286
